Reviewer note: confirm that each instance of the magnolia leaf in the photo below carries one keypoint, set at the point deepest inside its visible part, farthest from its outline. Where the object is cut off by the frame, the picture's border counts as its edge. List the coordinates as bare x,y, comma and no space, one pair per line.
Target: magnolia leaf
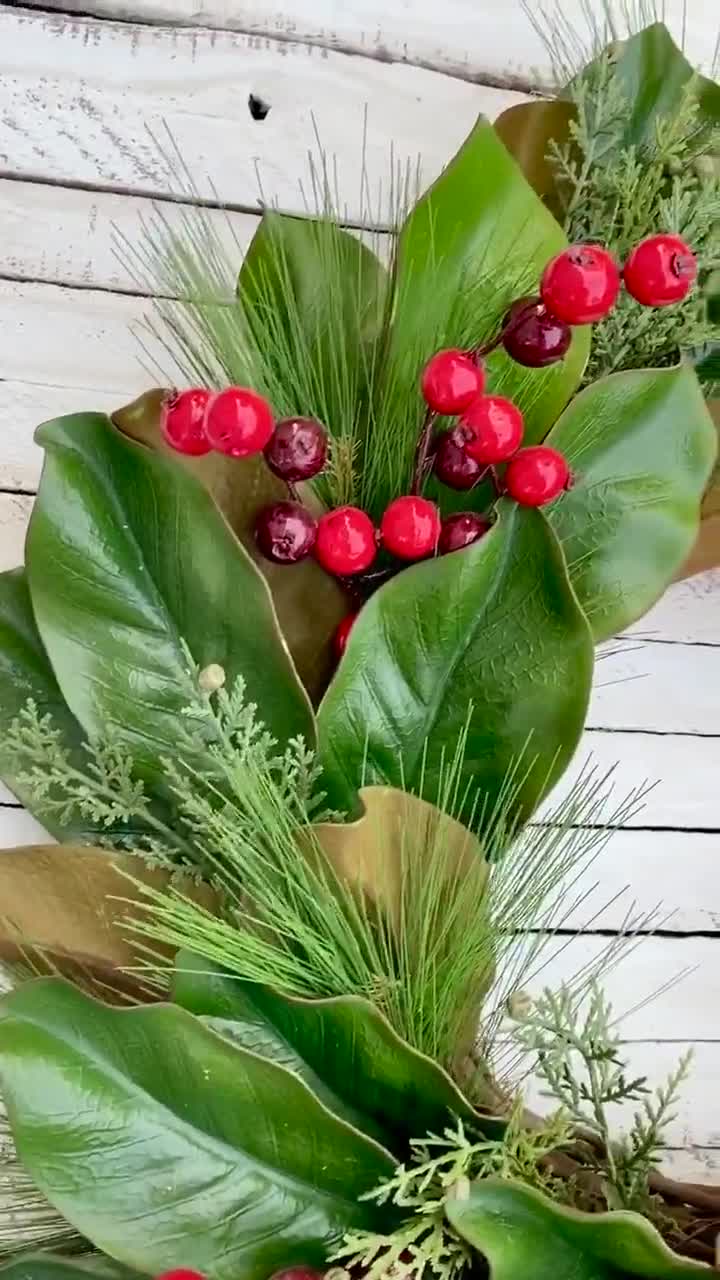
240,489
397,831
489,641
477,239
314,294
131,565
25,673
63,907
385,1083
656,76
519,1231
706,551
527,129
641,445
53,1266
165,1145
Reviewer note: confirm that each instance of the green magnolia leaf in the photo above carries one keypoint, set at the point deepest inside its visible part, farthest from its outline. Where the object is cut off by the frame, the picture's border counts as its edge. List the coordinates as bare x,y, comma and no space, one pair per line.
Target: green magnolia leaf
167,1146
128,561
521,1232
369,1068
477,239
490,638
641,445
53,1266
25,672
241,487
655,76
314,295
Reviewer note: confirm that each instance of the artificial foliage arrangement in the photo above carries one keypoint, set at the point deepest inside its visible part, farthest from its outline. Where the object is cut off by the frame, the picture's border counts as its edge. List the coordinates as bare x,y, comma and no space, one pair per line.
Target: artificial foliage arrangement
298,651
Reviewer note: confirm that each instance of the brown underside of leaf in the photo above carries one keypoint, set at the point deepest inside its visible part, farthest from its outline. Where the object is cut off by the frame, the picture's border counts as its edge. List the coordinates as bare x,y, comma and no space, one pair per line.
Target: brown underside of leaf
527,130
375,854
59,914
309,603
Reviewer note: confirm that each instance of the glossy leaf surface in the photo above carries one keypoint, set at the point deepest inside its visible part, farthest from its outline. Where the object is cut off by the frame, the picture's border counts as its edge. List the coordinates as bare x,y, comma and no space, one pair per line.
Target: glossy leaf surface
167,1146
129,561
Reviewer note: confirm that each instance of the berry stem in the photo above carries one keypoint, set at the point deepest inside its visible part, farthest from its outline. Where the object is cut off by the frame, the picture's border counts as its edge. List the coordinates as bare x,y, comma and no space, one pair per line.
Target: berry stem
421,452
292,490
492,475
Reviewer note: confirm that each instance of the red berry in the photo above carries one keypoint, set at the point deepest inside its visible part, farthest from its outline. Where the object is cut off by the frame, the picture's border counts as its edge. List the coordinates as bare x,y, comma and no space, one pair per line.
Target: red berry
537,475
285,532
453,465
581,285
346,541
451,380
492,428
661,270
342,634
182,421
461,529
239,422
182,1273
537,338
410,528
297,449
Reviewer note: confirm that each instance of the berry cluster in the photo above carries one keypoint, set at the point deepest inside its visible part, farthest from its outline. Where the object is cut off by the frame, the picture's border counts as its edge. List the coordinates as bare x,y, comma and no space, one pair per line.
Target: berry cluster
578,287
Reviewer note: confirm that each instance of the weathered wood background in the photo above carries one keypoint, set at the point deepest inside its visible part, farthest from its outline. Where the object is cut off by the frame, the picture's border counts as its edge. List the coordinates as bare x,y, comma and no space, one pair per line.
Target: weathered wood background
84,86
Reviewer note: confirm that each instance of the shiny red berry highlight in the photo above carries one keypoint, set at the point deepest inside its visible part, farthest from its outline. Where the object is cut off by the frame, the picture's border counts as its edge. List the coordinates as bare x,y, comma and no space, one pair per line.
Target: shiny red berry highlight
451,380
492,429
297,449
346,541
453,465
535,338
536,475
238,422
342,635
182,421
660,271
581,285
410,528
285,532
182,1273
461,529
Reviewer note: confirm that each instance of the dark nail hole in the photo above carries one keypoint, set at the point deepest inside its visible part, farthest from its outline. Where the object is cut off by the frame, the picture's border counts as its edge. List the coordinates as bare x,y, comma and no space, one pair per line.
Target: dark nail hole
257,107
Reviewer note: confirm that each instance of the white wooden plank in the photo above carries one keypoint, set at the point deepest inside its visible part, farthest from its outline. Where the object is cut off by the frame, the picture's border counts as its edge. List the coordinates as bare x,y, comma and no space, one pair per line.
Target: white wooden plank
689,612
74,118
697,1117
65,235
467,39
83,340
675,871
17,827
694,1164
666,987
14,514
661,687
682,772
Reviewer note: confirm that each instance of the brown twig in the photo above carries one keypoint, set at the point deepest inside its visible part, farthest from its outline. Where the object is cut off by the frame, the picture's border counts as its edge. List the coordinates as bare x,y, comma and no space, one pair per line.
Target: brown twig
421,452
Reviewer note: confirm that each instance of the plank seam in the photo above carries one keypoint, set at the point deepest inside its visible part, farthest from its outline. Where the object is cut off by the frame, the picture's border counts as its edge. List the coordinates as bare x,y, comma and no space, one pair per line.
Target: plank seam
453,70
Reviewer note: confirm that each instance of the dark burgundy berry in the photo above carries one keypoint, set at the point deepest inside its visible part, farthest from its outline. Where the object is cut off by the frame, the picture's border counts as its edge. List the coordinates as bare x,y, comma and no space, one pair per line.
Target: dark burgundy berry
460,530
581,284
285,532
537,475
297,449
451,380
453,465
537,338
660,271
182,421
410,527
